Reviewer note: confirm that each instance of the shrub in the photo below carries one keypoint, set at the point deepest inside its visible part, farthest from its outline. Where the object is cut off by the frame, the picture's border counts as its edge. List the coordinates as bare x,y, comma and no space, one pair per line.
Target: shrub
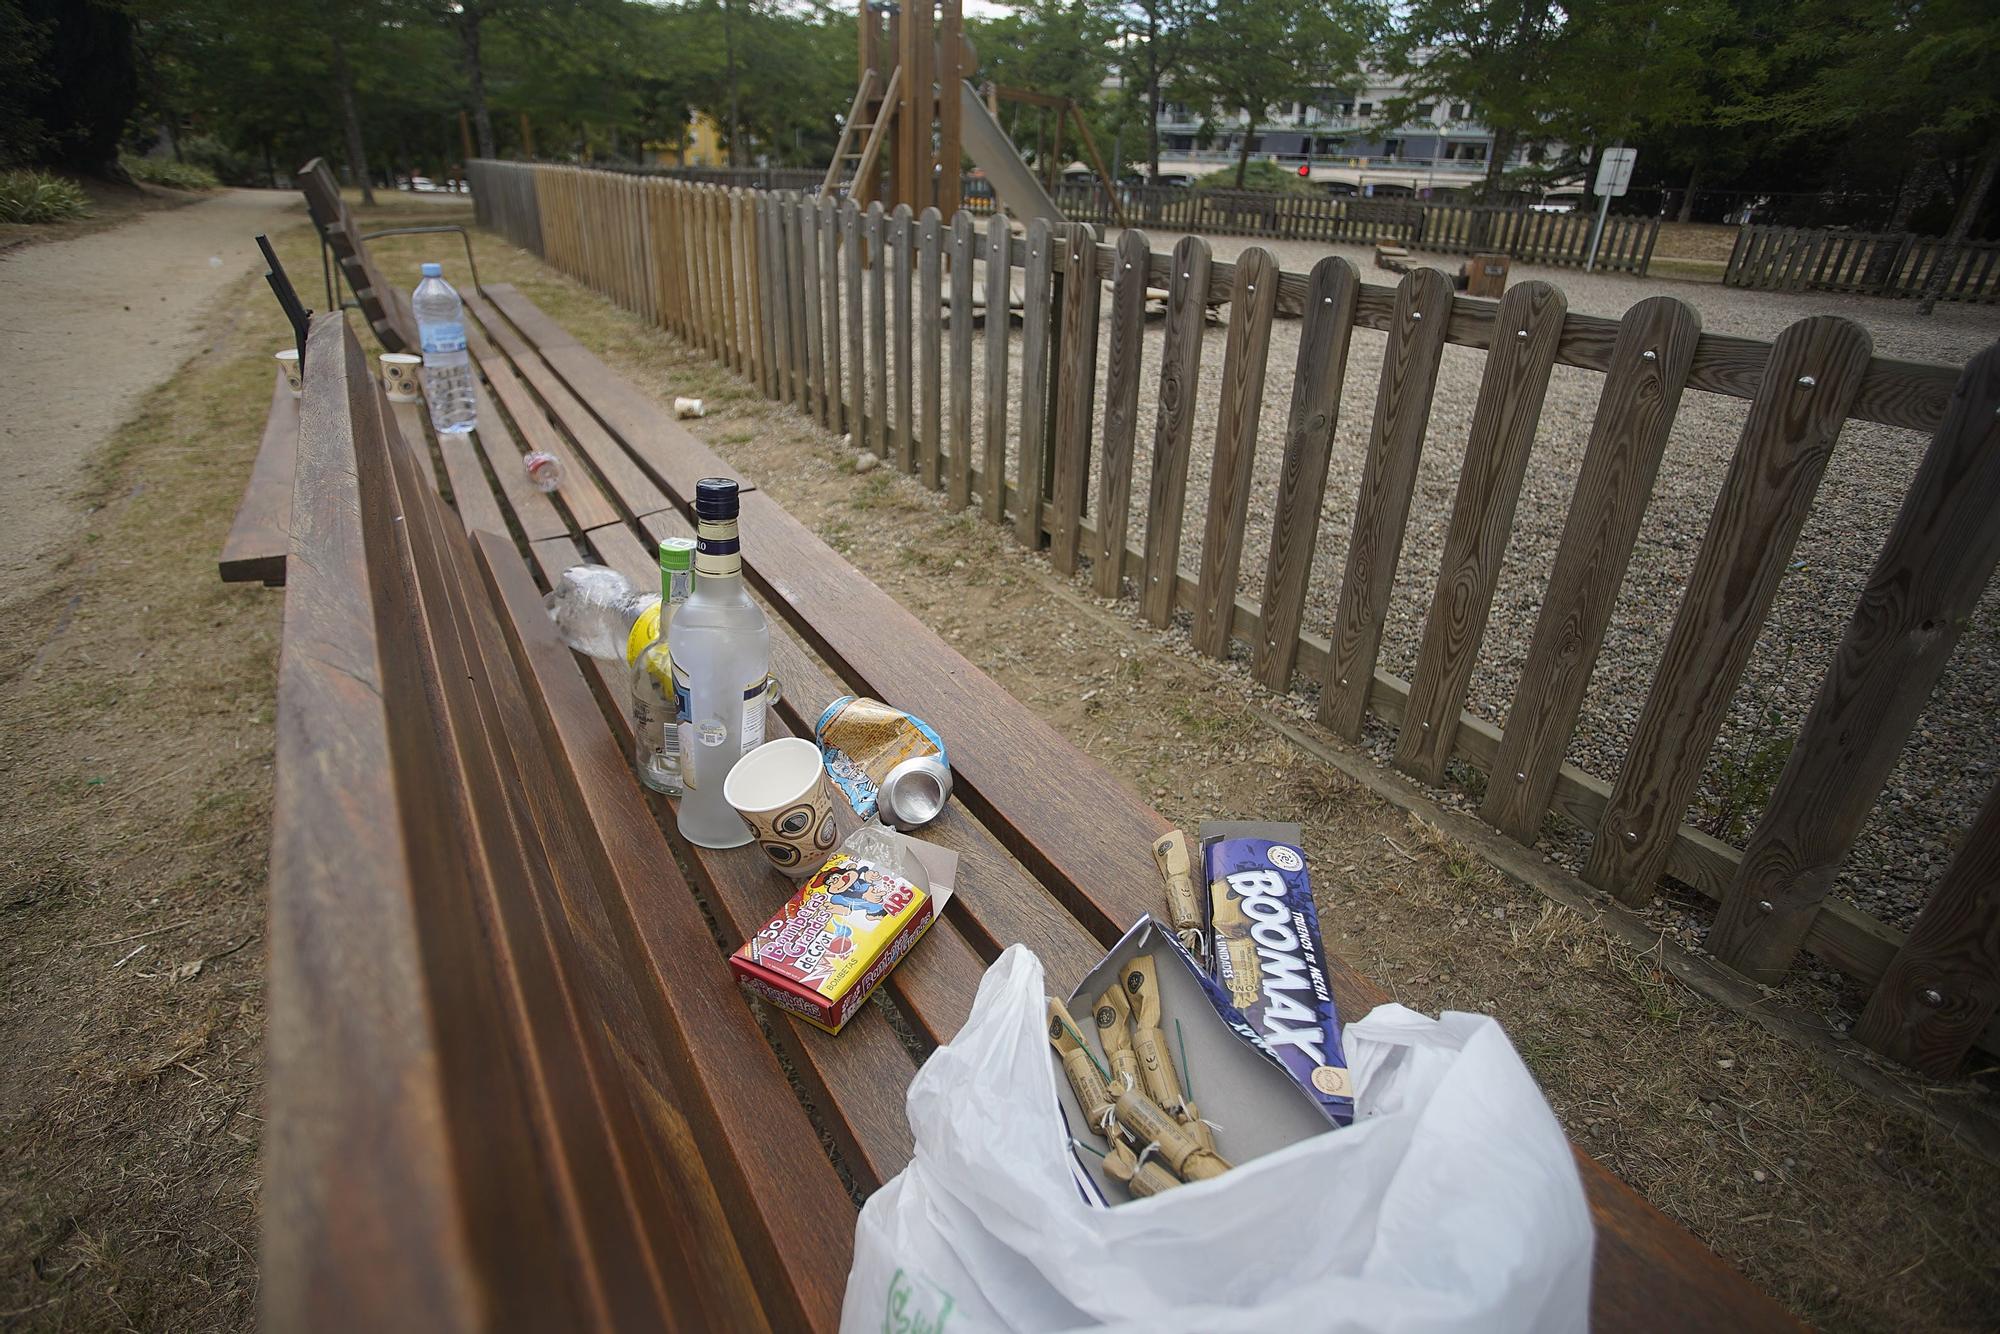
167,172
1260,175
36,196
229,166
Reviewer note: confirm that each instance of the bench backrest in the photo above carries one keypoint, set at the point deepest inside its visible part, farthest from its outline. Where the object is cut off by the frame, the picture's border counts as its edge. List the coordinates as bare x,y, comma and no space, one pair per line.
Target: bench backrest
488,1108
382,304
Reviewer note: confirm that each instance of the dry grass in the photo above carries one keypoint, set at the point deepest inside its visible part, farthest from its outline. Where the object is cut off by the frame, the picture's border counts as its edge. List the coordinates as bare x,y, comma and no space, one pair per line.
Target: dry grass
136,706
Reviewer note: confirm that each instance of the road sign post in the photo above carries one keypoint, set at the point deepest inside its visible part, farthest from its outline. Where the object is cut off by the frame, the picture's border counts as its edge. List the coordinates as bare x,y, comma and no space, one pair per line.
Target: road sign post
1614,177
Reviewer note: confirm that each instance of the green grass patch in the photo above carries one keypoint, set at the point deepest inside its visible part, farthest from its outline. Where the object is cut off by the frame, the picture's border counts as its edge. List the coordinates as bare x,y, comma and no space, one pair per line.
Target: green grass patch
36,196
165,171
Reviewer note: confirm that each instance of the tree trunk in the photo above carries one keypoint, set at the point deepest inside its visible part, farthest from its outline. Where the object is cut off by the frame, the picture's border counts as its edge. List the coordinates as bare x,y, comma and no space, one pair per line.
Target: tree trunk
1923,181
475,77
1152,99
1969,205
357,152
1243,154
1686,213
1496,163
729,59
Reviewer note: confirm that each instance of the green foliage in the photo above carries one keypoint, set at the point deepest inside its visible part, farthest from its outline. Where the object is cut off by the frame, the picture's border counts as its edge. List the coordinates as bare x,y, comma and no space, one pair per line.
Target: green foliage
165,171
1260,175
1247,55
36,196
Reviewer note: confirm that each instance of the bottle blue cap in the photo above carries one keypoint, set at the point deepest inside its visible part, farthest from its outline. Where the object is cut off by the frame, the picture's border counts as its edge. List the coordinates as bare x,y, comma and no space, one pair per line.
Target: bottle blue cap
433,270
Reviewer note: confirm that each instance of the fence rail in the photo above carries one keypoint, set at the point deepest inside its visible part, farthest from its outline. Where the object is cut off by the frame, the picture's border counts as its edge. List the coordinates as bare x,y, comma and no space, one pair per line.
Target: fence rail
1899,264
809,299
1454,229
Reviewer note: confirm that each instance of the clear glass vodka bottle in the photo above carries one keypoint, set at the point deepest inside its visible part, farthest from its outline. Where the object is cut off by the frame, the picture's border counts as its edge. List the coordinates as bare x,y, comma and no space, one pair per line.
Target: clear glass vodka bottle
721,648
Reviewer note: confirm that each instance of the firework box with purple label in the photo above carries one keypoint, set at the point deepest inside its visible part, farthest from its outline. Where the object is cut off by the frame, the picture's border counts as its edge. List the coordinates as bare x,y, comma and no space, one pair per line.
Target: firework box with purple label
1264,953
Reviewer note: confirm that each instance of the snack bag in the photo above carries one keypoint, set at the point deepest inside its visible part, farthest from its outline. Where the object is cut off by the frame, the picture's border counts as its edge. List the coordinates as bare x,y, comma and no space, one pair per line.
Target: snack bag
863,740
1265,955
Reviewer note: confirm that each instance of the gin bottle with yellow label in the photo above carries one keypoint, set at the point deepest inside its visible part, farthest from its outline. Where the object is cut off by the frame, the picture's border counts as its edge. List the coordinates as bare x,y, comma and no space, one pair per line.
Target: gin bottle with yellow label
656,745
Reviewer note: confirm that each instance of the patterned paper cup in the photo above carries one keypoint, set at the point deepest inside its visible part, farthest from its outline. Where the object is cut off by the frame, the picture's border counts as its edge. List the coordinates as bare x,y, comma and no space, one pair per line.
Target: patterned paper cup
399,376
288,361
782,792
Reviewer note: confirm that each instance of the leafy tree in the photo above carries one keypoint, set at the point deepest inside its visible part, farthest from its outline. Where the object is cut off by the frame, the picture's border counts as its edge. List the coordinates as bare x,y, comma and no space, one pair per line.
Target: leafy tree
1491,53
1248,55
1160,31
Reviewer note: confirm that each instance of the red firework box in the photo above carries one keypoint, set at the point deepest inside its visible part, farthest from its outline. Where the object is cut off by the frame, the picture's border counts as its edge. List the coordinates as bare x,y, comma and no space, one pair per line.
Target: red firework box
834,941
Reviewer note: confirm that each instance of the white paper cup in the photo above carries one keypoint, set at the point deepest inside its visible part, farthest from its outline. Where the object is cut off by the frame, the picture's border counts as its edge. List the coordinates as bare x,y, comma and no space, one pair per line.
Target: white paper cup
782,792
399,376
689,407
288,361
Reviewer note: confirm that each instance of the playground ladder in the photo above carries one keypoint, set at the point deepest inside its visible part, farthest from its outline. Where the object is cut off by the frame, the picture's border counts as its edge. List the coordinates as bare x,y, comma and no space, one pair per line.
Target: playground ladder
864,159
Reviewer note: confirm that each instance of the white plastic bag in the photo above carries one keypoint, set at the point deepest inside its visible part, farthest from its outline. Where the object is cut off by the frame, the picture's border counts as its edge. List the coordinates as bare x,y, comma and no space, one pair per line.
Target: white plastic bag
1452,1202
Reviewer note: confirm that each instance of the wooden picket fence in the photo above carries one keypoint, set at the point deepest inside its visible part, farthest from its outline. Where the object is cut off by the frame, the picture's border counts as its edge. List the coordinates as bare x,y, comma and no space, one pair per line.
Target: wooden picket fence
817,303
1519,232
1805,259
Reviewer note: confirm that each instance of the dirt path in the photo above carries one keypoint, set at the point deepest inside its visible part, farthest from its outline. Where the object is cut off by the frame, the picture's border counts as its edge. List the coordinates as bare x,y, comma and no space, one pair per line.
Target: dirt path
90,325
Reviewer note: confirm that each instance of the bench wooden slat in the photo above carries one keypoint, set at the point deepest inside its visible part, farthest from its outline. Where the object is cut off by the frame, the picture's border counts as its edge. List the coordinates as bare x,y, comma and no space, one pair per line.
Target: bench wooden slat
625,482
856,1079
759,1149
605,1188
579,495
389,318
374,1211
470,495
261,533
530,506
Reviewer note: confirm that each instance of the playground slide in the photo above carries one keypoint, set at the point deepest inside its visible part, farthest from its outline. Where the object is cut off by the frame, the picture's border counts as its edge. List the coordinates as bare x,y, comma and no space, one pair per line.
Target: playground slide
993,153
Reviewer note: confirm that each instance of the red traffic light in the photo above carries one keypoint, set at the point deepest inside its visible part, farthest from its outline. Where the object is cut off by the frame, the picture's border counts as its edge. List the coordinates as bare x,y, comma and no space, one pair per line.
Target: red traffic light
1305,169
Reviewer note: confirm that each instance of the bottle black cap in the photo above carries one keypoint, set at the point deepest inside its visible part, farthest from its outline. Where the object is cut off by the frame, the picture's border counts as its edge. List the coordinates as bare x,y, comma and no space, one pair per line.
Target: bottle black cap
715,498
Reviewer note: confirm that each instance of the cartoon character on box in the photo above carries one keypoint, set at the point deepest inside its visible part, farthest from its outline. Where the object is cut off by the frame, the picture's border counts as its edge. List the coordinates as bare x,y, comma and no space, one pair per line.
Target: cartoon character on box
863,889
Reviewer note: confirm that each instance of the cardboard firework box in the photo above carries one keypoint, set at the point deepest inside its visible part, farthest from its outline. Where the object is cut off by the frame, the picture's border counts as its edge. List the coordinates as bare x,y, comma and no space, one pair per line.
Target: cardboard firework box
1266,956
834,941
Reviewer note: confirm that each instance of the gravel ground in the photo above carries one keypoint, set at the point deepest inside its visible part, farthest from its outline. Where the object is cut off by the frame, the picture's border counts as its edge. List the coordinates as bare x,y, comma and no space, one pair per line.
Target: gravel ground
1939,782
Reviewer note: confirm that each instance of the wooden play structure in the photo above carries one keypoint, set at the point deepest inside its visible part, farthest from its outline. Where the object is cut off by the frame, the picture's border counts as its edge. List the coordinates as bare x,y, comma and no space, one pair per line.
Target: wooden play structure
916,117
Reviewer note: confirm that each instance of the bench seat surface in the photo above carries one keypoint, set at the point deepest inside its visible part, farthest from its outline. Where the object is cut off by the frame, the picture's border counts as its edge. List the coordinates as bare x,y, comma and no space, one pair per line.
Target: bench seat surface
635,947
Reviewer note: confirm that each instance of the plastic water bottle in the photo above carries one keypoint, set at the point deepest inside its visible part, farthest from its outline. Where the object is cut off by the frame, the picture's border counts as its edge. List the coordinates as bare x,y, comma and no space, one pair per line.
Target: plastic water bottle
447,368
594,609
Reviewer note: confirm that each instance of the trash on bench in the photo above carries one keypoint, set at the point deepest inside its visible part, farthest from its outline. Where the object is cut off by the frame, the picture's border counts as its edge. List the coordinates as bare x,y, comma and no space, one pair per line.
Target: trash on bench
544,470
884,761
823,953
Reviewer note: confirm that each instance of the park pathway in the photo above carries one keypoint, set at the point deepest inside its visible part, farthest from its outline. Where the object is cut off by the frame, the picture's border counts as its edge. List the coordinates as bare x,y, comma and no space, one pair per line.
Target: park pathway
87,327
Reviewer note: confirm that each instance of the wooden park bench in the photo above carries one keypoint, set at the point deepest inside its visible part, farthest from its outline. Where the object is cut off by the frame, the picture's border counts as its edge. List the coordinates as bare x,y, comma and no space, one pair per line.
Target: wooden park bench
255,549
511,1083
